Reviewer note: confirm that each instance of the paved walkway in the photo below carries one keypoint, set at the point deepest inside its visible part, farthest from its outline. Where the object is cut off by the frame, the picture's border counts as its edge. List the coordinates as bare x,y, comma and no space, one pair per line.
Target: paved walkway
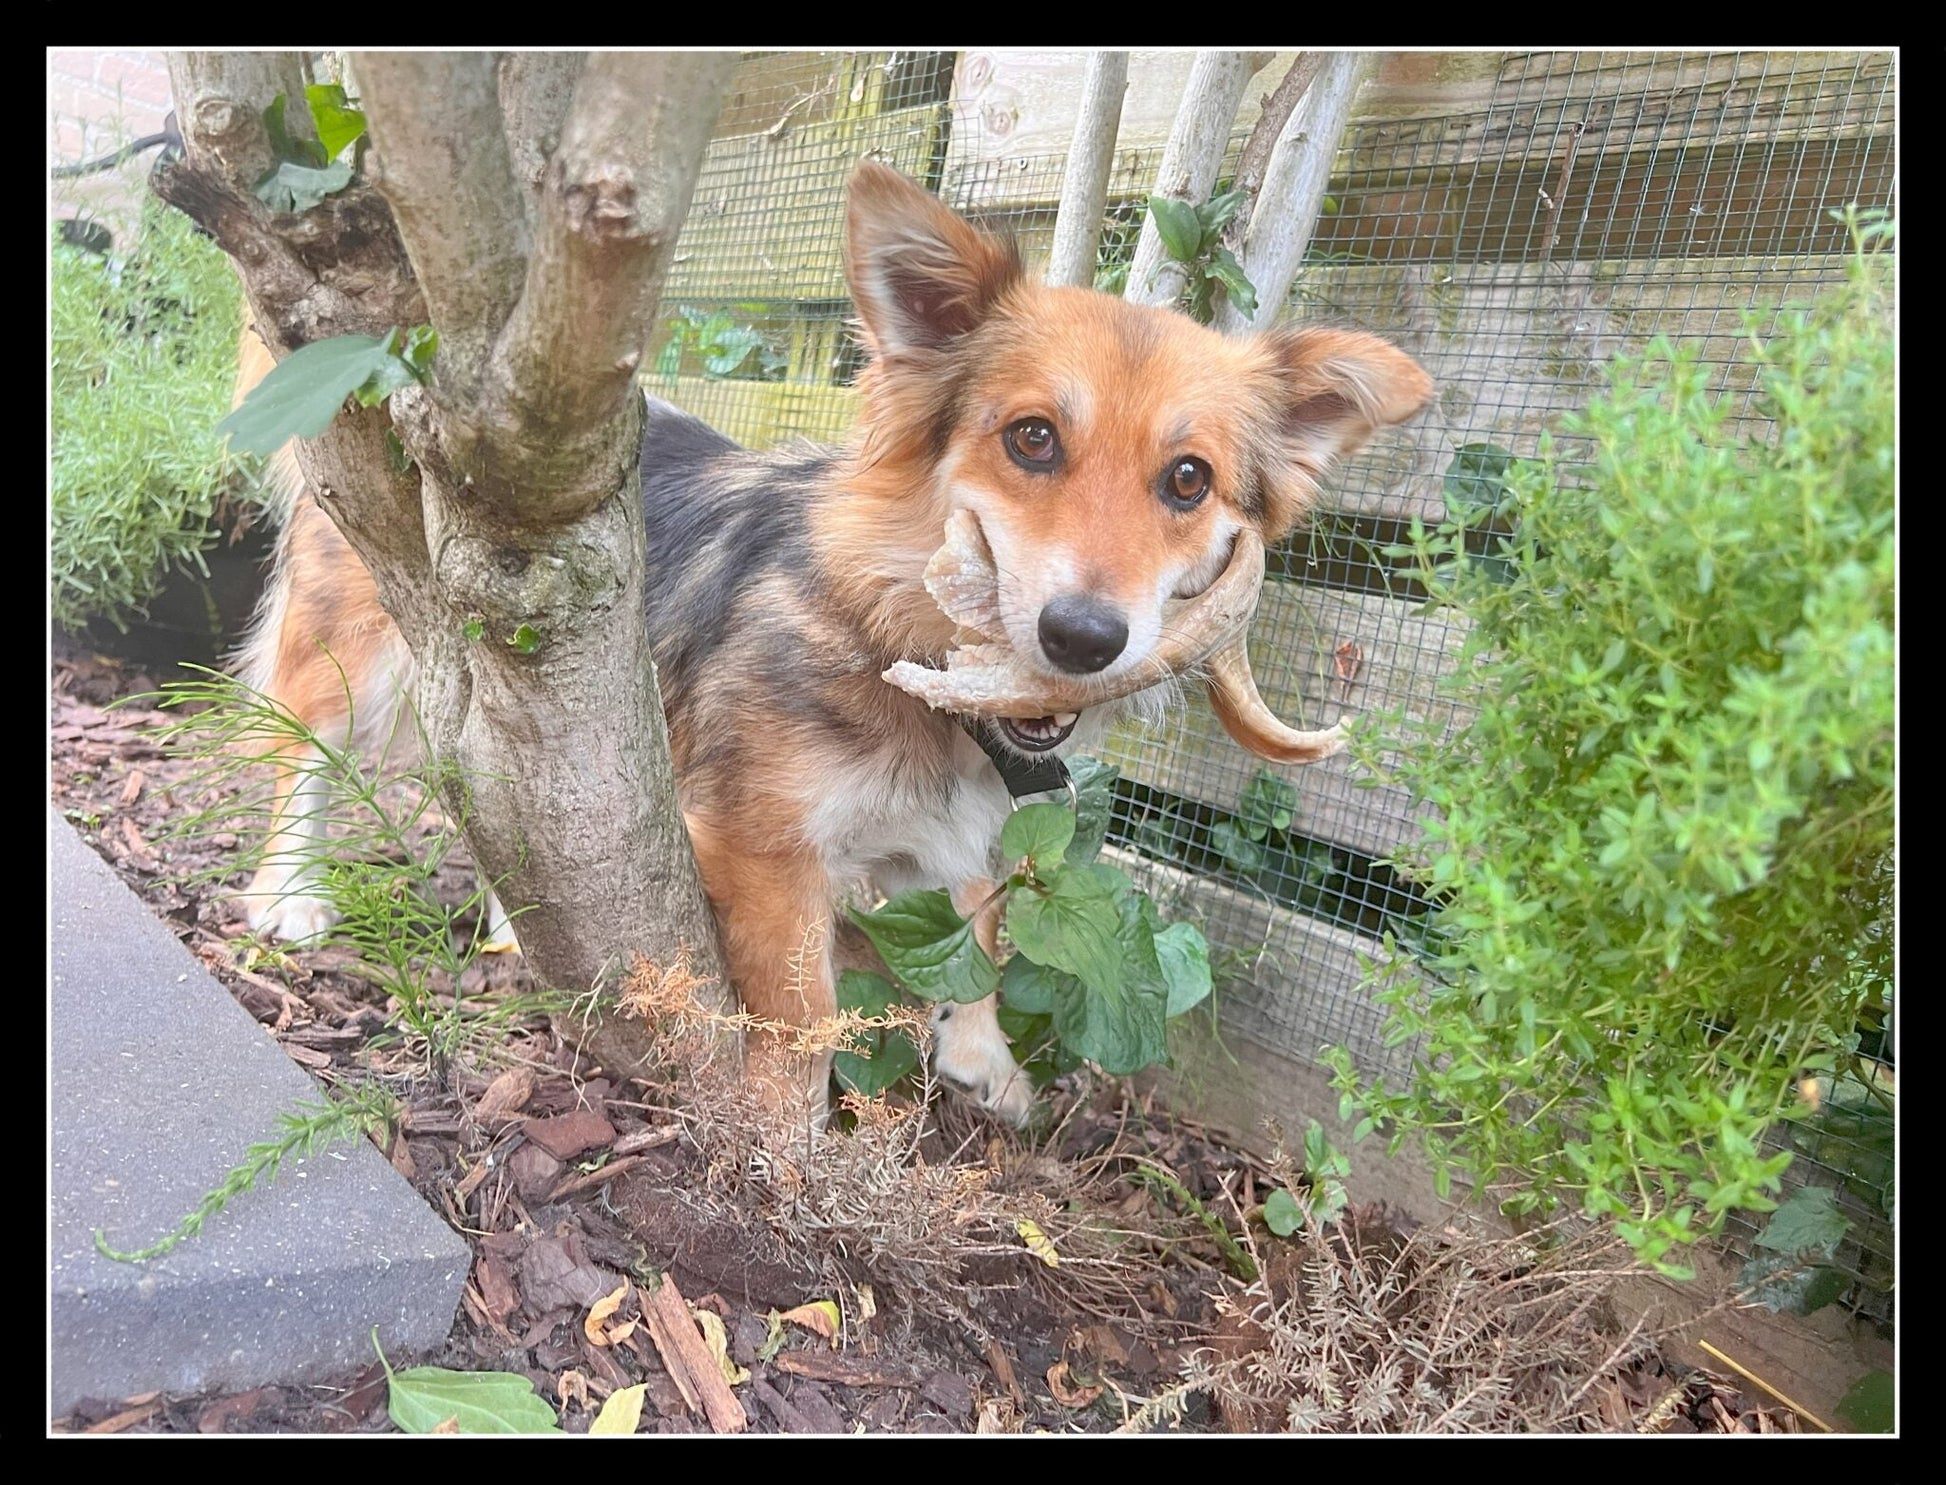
159,1081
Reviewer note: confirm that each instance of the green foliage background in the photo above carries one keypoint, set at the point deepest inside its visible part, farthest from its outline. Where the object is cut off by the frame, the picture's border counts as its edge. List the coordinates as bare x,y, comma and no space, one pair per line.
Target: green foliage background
142,361
1662,853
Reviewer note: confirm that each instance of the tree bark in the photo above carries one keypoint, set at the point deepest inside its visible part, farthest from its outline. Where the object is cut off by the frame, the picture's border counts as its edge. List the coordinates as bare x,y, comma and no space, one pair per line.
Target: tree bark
522,504
1084,190
1190,163
1286,210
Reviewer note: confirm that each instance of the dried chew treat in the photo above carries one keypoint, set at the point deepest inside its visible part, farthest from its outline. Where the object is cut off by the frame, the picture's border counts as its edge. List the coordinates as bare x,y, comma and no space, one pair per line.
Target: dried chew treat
987,678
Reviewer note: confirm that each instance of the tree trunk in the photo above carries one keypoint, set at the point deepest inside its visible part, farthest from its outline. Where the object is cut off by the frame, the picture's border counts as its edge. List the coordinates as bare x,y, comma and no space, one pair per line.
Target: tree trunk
521,506
1084,189
1286,209
1190,163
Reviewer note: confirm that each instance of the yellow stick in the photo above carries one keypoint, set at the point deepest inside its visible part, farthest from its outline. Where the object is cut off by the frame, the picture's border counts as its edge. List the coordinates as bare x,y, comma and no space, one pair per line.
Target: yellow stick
1749,1376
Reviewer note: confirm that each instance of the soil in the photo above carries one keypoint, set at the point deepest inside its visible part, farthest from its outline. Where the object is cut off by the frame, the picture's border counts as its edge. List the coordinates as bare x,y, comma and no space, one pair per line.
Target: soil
570,1188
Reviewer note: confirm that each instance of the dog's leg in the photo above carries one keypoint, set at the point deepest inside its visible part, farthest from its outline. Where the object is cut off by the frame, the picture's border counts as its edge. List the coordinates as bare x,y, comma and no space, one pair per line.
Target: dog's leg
969,1047
282,900
773,909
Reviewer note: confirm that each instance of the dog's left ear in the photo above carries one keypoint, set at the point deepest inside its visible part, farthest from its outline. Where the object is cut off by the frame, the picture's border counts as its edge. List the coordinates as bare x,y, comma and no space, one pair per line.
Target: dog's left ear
919,274
1335,389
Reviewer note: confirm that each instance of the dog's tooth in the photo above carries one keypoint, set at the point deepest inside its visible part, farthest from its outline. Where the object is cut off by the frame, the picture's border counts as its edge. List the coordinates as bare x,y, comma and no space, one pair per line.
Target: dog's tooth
1067,719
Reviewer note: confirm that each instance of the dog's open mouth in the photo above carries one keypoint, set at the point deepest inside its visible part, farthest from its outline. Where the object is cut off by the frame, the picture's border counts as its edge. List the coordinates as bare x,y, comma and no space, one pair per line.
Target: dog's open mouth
1038,734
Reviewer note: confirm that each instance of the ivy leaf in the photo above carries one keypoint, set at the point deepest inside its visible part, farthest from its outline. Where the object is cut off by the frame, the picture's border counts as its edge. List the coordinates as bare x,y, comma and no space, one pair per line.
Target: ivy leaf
1808,1222
304,391
1029,987
1183,954
877,1058
287,146
1217,213
930,947
339,124
1180,228
1282,1214
1040,832
1782,1283
1235,847
1867,1407
1267,803
1476,479
1116,1019
1224,268
424,1397
1094,792
293,188
1072,924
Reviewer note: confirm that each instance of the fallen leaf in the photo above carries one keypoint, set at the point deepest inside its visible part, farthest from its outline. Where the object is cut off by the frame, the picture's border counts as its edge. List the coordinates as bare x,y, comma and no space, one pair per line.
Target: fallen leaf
571,1386
1038,1243
820,1315
622,1412
596,1325
1066,1396
718,1341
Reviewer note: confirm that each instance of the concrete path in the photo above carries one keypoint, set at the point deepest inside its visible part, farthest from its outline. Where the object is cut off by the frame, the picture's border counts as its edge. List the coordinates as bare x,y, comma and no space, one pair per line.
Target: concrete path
159,1082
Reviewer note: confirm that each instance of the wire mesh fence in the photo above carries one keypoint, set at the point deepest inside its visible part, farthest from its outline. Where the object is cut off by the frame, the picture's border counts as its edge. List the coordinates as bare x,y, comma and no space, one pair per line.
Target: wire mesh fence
1575,206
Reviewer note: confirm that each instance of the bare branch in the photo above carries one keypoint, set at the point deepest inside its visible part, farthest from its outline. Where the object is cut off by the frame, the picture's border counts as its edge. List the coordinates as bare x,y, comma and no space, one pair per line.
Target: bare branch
536,89
610,212
220,98
1269,128
1190,162
443,165
1084,191
1293,189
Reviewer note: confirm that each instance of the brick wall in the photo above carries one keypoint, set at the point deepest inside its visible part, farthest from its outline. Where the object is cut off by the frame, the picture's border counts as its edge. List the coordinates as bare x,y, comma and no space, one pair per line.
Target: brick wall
98,100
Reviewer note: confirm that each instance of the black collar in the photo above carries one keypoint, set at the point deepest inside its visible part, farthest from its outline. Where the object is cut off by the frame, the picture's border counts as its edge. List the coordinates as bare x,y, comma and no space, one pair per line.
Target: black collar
1021,775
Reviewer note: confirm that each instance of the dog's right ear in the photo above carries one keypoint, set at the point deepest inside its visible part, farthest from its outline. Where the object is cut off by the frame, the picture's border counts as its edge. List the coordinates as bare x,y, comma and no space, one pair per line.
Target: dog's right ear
919,274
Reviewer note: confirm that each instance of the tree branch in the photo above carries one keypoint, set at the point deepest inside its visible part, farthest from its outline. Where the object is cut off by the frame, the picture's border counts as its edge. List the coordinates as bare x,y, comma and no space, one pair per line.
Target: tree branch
536,90
1084,190
611,208
1269,128
1293,189
1190,162
220,98
443,165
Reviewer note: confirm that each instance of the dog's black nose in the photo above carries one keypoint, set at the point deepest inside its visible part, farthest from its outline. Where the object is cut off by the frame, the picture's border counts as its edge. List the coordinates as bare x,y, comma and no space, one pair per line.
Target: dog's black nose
1082,634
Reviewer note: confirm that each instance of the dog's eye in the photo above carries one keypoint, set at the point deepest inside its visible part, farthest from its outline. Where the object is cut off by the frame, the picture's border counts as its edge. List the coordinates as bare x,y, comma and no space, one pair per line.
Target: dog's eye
1186,482
1032,443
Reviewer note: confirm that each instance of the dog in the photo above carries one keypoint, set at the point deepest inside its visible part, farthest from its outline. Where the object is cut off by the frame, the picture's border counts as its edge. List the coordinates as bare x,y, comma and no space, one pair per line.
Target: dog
1111,453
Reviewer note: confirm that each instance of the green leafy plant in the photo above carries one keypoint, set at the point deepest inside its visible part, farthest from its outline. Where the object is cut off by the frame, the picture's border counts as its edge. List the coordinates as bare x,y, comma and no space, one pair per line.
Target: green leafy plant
1193,236
1662,855
721,344
141,361
304,391
311,1127
304,171
433,1399
1326,1169
1094,969
377,871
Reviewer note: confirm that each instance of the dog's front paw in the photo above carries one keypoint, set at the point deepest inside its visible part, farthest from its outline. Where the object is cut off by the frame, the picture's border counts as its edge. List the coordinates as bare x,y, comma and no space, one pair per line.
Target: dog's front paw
278,907
969,1049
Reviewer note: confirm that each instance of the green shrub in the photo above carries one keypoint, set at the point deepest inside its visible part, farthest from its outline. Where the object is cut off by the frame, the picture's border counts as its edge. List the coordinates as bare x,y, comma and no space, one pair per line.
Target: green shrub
142,363
1661,856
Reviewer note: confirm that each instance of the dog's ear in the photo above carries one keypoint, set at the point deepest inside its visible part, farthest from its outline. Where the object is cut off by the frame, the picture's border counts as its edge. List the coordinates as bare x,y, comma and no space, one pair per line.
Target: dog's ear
919,274
1335,389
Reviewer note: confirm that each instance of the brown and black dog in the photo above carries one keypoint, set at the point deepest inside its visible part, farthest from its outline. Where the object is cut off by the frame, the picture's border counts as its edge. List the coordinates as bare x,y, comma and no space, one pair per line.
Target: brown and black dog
1111,453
